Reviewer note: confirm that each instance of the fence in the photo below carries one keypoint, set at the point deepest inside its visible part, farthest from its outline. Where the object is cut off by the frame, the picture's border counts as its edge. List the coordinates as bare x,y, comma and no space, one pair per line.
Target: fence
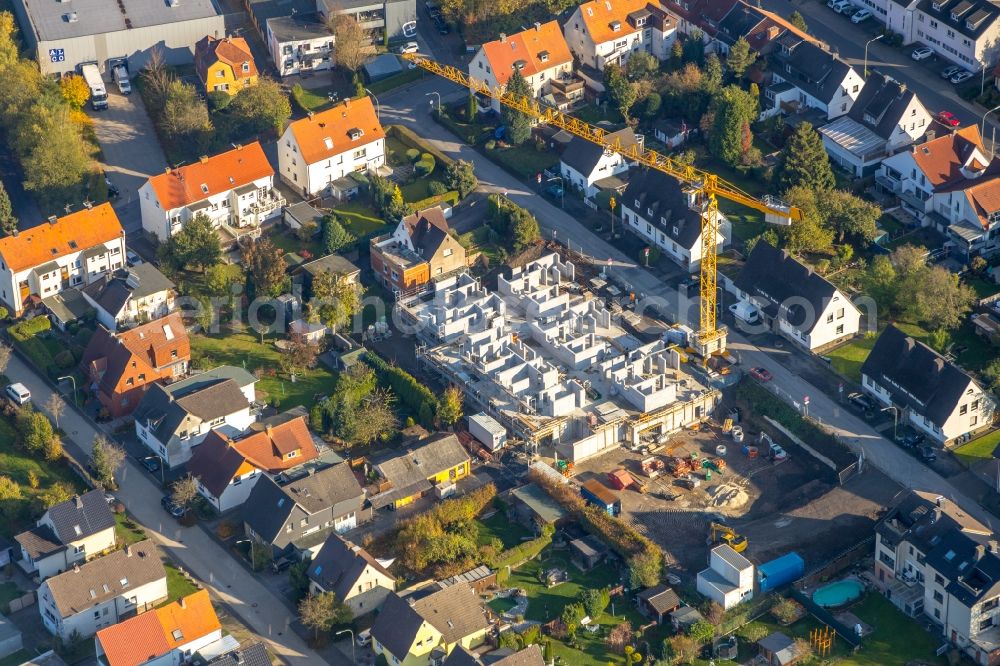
24,601
827,618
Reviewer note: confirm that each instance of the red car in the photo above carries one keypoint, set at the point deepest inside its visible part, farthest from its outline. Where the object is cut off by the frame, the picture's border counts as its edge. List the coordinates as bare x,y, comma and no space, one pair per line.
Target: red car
760,374
948,118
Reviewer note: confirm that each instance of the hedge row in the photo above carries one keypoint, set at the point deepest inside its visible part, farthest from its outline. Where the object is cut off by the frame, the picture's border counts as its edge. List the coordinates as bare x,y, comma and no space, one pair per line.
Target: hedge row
418,398
407,137
450,198
524,551
29,328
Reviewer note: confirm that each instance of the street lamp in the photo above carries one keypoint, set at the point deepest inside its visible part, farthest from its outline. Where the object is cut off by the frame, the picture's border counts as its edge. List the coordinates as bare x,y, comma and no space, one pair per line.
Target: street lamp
873,39
354,657
982,124
72,379
378,112
895,418
562,190
434,92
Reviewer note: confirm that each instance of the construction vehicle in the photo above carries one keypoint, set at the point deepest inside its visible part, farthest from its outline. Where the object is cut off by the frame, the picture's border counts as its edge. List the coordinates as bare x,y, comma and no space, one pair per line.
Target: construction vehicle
719,533
707,187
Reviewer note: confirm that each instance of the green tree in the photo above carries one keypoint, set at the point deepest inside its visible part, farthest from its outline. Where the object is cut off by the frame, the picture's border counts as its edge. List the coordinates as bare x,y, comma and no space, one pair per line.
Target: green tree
335,299
395,207
8,222
641,65
265,263
261,107
572,613
34,430
595,601
805,161
934,296
799,21
734,110
769,236
55,157
694,47
450,407
651,106
220,279
880,281
850,216
992,373
645,568
621,91
677,53
471,109
105,460
712,74
461,177
184,118
741,57
808,234
195,245
335,237
702,631
518,124
321,612
525,229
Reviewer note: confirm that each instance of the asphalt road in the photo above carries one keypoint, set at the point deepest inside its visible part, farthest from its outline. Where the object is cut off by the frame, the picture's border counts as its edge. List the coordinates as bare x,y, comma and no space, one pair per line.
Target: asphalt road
405,107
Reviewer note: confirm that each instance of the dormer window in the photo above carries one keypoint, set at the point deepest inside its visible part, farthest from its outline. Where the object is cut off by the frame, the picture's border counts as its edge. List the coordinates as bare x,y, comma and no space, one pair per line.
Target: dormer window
938,5
355,133
616,26
543,56
870,119
519,65
204,188
637,204
246,68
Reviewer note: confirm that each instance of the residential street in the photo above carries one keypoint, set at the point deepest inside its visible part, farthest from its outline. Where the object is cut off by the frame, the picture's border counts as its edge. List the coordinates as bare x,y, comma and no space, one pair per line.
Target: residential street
190,547
878,451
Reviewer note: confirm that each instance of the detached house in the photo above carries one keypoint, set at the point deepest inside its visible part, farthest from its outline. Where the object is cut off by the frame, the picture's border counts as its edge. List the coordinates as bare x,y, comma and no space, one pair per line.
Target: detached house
805,75
667,214
933,561
103,592
793,300
423,629
299,43
316,153
439,462
69,533
609,31
299,516
728,580
234,189
539,53
933,394
885,118
347,570
228,468
166,636
120,367
130,296
420,250
66,252
172,420
590,168
224,65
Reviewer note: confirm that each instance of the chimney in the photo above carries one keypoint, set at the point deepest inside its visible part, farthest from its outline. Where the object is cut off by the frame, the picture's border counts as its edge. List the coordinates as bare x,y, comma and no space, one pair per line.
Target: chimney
128,551
310,114
538,26
203,159
182,602
929,136
76,568
53,219
503,37
78,501
993,546
980,551
268,429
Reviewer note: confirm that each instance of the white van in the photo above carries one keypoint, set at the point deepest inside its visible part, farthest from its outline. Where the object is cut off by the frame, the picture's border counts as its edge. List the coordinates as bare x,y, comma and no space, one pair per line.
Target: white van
19,393
121,78
745,312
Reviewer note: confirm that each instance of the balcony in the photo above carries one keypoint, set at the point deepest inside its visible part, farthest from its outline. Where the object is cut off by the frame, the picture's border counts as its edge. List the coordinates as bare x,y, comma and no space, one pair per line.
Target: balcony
263,208
889,185
910,198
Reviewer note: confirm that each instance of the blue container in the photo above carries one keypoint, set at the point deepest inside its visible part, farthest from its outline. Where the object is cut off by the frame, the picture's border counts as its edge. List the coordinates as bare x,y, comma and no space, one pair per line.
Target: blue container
786,569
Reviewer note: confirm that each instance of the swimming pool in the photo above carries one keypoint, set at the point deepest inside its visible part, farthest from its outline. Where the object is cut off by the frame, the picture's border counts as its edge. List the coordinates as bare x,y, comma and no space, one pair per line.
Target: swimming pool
838,594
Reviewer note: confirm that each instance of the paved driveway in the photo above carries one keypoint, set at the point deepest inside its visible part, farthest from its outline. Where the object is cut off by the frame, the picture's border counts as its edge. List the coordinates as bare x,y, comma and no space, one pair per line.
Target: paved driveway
131,150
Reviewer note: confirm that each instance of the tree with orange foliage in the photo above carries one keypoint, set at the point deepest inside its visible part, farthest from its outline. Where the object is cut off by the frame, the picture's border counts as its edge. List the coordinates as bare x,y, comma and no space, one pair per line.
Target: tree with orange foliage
74,90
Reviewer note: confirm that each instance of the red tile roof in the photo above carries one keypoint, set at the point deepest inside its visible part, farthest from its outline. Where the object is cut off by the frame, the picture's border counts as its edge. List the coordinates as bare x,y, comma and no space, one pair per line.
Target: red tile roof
527,48
232,51
210,176
156,340
942,159
68,234
268,449
326,134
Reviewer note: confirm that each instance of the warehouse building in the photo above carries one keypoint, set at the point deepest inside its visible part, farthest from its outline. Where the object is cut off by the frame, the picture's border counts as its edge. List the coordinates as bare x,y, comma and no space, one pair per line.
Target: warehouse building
65,34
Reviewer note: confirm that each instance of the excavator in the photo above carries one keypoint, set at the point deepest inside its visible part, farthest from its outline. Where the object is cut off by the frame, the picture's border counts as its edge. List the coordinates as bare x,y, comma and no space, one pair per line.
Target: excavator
719,533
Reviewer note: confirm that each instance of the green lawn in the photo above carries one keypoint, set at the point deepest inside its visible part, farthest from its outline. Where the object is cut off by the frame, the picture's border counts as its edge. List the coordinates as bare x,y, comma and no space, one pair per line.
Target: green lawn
177,585
982,287
20,467
847,359
359,218
314,99
979,449
289,242
401,79
510,532
524,160
245,350
596,114
126,530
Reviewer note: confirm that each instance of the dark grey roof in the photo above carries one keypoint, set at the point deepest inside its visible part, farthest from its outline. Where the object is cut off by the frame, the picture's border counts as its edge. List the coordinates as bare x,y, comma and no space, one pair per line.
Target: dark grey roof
333,263
583,155
740,20
418,465
68,305
529,656
39,542
455,611
540,502
776,277
776,642
811,69
661,598
881,104
302,211
663,203
973,17
267,508
298,28
170,412
112,292
49,658
254,654
339,564
81,516
916,375
262,10
396,625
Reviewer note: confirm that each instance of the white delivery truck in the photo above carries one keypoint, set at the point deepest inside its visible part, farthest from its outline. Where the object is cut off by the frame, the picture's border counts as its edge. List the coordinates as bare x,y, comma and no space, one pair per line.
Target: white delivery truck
121,79
98,93
745,312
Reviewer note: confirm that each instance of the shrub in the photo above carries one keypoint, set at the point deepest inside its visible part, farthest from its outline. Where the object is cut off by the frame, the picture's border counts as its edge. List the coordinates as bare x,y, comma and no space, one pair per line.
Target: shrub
29,328
425,166
491,144
415,396
64,359
412,154
437,188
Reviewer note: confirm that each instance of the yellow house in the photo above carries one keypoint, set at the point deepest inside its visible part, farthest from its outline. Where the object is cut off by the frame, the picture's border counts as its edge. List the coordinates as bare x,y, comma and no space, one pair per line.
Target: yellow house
437,463
224,65
413,631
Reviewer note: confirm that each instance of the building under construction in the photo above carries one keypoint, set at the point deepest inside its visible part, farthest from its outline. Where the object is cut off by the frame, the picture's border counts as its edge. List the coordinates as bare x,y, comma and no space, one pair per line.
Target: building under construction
544,358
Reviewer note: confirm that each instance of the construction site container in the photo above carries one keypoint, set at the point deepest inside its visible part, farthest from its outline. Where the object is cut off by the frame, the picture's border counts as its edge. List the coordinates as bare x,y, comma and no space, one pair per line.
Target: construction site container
782,571
620,479
596,493
488,431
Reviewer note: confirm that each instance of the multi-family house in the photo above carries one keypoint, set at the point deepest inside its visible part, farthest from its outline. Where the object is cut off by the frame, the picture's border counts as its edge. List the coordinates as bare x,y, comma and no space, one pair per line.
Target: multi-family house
440,461
103,592
419,250
539,53
166,636
934,561
929,392
667,214
760,28
172,420
120,367
234,189
793,300
384,20
591,168
68,533
600,32
130,296
805,75
424,628
728,580
299,43
66,252
350,572
885,118
316,152
228,468
224,65
299,516
966,32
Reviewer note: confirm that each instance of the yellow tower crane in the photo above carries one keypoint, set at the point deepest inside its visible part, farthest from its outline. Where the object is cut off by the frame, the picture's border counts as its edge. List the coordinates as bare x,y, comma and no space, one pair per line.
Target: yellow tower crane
708,186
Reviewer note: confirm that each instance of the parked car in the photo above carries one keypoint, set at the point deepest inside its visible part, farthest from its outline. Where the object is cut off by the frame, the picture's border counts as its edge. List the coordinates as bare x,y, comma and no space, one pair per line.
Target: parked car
922,53
961,77
281,564
364,638
151,463
18,393
861,16
862,402
839,5
950,71
409,47
761,374
132,258
554,191
168,505
948,118
927,453
850,10
910,440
